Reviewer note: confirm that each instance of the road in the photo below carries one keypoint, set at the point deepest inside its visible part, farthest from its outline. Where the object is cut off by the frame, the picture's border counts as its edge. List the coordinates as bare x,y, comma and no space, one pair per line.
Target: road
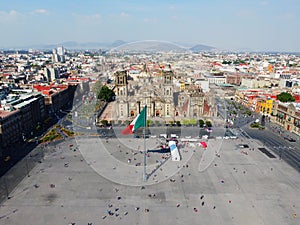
288,151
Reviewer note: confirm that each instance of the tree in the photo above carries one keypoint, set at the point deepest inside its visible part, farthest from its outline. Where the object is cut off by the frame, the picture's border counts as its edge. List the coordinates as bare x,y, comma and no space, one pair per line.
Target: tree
106,94
285,97
149,123
185,122
104,122
193,121
201,123
208,123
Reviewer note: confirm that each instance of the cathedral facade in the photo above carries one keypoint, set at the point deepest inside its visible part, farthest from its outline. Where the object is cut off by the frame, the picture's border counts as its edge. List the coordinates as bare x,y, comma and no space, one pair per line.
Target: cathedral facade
159,94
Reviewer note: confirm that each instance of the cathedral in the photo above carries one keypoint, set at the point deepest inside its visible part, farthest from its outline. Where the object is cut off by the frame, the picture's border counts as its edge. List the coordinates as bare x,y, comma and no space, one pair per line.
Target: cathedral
163,100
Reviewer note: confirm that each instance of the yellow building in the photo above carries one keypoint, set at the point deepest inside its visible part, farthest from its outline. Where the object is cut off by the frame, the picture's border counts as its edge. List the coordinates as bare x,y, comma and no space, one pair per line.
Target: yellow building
266,106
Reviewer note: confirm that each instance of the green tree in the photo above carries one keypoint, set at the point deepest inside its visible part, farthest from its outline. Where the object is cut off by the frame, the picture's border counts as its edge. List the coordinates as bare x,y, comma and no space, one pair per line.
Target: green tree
285,97
149,123
104,122
185,122
106,94
193,121
208,123
201,123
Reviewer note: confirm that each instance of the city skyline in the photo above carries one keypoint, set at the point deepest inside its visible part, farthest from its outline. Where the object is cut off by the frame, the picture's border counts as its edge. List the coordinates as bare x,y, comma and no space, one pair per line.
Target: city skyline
257,25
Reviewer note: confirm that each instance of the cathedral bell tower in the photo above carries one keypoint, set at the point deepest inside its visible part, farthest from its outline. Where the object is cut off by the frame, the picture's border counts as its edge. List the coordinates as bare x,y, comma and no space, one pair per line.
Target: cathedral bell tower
121,90
121,84
168,83
168,92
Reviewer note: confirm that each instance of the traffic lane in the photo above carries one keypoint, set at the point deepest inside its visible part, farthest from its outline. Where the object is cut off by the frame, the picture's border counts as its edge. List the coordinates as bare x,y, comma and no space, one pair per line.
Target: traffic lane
278,145
266,137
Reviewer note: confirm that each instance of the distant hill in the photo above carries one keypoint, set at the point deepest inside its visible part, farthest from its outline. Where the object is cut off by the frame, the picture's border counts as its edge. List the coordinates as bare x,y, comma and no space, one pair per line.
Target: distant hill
134,46
74,45
150,46
117,43
202,48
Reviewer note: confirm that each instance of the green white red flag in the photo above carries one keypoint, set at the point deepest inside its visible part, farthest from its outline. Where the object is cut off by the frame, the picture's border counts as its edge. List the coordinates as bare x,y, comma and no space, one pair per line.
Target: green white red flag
139,121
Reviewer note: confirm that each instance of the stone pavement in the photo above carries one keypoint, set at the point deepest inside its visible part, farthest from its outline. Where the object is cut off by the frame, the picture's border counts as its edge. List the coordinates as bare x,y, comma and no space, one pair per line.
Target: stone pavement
240,186
102,156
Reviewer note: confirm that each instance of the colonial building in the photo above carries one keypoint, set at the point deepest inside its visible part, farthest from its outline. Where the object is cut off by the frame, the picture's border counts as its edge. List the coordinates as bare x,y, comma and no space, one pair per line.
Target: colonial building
19,116
190,102
131,95
287,115
160,96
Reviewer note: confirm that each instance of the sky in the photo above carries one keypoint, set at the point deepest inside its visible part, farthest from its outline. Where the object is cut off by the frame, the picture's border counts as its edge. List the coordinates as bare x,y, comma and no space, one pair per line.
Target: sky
258,25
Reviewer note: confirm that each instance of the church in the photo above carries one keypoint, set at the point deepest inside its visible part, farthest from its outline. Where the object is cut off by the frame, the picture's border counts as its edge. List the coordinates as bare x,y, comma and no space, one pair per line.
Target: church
162,98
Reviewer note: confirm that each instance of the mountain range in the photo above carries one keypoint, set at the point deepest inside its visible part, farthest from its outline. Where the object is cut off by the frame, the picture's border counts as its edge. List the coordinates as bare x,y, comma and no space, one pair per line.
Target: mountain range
120,45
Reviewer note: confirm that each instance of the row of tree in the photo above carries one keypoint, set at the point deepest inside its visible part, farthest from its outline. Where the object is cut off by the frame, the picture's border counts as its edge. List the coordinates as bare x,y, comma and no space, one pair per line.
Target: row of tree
200,122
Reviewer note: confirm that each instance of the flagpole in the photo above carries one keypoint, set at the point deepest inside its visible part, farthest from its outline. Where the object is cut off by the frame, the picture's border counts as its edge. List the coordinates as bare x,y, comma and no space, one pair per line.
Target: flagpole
145,147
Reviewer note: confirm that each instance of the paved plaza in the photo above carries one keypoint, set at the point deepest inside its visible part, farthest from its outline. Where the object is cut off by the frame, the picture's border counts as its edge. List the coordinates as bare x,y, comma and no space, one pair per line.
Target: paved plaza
89,180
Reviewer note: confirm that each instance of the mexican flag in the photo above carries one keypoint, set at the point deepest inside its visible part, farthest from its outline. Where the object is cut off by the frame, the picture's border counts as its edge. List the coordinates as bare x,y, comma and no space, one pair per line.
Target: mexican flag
139,121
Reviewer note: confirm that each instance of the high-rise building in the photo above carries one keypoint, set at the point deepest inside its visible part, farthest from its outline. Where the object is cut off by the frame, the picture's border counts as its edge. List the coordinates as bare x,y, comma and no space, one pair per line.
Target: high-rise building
59,54
51,74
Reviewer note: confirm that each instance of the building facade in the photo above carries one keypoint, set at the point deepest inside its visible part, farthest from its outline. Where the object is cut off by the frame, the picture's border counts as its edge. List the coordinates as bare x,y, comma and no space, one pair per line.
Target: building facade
20,117
287,115
159,94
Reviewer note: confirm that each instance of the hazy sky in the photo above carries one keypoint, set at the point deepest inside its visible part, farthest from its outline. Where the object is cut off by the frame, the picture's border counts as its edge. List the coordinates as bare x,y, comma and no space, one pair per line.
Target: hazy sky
225,24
